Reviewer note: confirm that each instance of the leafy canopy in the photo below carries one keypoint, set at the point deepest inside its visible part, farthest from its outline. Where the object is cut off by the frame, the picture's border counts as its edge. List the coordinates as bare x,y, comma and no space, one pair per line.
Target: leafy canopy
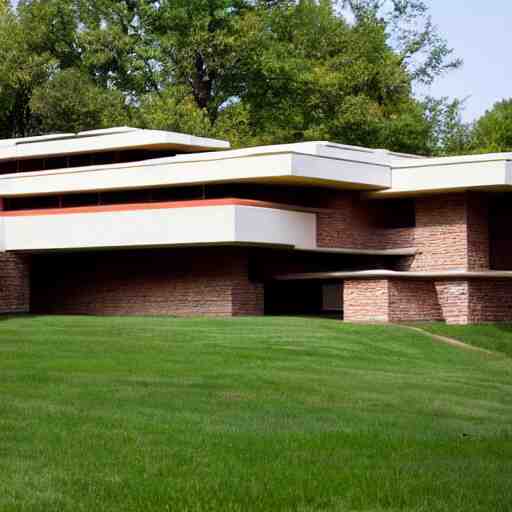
253,71
493,131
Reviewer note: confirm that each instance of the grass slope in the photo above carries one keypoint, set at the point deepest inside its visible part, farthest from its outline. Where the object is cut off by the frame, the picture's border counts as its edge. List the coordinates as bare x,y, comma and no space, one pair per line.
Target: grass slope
111,414
495,337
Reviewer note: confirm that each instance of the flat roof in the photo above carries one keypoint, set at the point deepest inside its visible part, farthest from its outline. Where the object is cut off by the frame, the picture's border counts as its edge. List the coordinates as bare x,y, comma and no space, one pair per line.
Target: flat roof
111,139
382,173
300,164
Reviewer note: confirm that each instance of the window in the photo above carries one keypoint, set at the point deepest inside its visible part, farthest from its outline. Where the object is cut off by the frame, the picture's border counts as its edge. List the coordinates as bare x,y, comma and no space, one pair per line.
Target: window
400,213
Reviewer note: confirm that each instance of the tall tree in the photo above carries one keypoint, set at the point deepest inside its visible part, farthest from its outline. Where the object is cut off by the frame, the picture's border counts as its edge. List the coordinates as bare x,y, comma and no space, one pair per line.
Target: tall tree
254,71
21,71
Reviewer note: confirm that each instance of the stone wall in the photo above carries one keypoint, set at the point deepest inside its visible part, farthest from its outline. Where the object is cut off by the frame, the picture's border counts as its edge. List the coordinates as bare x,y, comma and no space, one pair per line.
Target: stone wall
366,300
350,222
440,234
413,301
453,298
455,301
490,300
14,283
451,233
390,300
181,282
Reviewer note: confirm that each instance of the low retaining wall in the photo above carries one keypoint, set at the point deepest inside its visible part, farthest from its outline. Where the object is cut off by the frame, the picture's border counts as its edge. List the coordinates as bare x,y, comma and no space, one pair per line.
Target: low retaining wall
455,301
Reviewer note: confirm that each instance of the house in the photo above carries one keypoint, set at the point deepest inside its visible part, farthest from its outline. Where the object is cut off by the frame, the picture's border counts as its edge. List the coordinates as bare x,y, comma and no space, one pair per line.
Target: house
127,221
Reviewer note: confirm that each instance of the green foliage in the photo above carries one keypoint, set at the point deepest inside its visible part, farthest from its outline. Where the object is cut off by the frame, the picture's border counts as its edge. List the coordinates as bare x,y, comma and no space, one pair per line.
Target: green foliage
493,131
421,48
70,101
449,135
21,70
255,71
173,109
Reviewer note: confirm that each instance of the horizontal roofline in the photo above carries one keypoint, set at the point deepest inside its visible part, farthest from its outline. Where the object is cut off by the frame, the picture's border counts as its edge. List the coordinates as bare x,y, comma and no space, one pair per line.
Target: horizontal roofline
390,274
112,139
314,148
453,160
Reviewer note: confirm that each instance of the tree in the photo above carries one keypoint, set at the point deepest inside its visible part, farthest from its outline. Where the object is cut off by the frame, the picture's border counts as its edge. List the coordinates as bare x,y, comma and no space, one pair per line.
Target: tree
21,70
174,109
319,77
448,134
70,101
253,71
412,33
493,131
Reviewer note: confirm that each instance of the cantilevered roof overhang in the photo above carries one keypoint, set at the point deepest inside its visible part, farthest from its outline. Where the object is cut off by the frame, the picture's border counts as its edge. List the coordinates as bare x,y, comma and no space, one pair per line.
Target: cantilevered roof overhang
491,172
299,164
378,173
113,139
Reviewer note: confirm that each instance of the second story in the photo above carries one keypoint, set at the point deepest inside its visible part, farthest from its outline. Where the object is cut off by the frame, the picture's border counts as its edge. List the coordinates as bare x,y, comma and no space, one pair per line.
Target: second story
125,188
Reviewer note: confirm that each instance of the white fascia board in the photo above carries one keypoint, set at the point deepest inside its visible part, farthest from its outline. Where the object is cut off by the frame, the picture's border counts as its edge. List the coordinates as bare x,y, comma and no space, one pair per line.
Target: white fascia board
201,170
361,154
227,224
451,160
484,174
260,225
152,174
108,131
67,144
354,173
10,143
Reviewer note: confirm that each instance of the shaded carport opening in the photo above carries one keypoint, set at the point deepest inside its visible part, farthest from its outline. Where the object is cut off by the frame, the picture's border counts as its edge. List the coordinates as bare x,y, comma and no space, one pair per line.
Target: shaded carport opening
308,296
305,298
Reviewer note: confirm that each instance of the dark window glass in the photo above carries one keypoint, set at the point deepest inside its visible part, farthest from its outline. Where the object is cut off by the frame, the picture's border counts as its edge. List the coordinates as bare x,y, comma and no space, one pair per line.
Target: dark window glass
60,162
32,203
74,200
80,160
8,167
396,214
103,158
31,165
125,196
178,194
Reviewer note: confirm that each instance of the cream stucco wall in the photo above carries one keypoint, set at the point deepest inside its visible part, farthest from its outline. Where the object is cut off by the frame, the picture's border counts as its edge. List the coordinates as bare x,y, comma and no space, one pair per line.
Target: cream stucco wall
226,224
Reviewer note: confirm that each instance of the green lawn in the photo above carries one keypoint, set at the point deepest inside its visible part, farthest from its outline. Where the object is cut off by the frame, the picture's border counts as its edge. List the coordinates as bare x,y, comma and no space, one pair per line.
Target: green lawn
112,414
495,337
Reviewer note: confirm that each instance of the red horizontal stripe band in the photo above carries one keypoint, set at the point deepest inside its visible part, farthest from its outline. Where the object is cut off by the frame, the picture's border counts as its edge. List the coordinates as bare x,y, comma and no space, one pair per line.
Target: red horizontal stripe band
156,206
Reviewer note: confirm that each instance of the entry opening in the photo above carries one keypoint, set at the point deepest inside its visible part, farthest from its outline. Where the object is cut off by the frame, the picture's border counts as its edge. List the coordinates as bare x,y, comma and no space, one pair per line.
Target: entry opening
309,298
